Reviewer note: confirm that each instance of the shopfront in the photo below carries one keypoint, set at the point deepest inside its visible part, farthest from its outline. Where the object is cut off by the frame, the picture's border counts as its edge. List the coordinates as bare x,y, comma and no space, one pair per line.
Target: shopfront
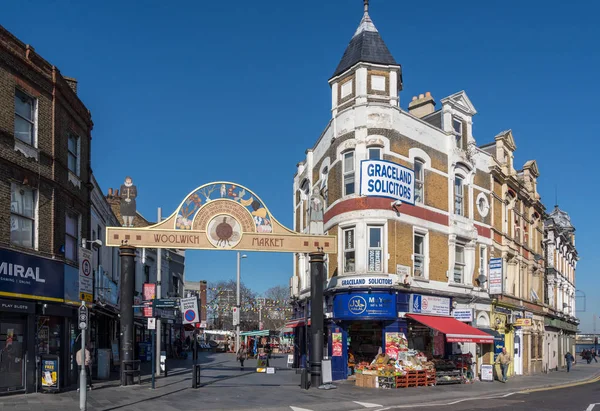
34,321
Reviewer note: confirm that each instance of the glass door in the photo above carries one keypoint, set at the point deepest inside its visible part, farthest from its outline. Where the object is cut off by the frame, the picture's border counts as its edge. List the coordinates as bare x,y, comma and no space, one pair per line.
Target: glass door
12,350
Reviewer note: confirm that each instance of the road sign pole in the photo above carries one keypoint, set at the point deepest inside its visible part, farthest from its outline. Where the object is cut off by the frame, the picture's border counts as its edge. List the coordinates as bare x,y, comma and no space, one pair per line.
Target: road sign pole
153,358
83,321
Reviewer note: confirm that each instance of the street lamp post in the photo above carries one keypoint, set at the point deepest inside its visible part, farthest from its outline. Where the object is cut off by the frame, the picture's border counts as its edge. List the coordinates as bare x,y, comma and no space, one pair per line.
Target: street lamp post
237,327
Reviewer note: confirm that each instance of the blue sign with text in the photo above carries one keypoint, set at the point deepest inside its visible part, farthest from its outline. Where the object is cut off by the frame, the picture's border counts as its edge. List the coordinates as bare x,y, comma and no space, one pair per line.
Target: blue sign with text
364,305
26,276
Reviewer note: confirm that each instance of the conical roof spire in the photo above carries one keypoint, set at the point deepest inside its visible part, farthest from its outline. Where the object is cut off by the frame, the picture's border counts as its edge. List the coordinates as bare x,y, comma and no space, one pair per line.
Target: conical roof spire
366,46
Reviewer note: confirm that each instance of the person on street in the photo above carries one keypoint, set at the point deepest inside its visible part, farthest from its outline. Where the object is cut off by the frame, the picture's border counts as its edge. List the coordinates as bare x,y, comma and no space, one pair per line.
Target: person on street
84,359
594,354
504,360
569,358
241,356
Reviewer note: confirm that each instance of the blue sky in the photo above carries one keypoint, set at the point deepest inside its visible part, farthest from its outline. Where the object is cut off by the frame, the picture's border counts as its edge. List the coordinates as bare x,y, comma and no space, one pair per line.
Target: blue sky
237,90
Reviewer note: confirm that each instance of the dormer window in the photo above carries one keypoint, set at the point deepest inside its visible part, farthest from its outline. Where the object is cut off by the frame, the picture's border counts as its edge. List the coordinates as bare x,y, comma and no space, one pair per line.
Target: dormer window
457,129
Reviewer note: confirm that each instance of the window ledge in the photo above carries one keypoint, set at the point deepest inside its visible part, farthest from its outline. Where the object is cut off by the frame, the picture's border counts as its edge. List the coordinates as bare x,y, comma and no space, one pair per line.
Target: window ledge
466,286
27,150
76,181
421,279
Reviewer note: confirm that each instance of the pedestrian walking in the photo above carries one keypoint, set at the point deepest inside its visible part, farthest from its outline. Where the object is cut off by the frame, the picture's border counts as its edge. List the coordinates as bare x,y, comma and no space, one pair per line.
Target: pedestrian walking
504,360
84,359
594,354
569,358
242,354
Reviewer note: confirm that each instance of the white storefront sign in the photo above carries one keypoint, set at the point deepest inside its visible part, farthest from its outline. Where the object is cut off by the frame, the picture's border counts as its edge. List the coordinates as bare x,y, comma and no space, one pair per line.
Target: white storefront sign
355,281
495,276
379,178
463,314
427,304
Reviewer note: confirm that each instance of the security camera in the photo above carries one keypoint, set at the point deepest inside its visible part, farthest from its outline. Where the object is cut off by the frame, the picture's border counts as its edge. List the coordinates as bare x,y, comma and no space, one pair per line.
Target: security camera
396,205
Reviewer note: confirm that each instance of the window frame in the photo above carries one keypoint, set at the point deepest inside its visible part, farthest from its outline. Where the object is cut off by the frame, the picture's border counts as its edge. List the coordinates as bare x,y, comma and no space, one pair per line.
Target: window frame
374,149
458,134
420,181
483,267
33,121
349,174
462,264
20,215
76,154
423,256
76,217
459,198
348,250
379,248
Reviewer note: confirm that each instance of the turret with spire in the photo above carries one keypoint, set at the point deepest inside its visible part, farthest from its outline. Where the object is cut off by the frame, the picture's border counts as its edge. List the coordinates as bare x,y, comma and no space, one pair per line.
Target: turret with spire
367,70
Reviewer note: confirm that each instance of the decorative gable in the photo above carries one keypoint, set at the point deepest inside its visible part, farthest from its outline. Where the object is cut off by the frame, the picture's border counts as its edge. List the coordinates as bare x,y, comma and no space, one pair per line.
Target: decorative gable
532,166
461,101
507,138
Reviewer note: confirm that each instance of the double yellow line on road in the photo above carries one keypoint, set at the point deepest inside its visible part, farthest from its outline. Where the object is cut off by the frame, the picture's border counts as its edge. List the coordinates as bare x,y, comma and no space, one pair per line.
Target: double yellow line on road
558,387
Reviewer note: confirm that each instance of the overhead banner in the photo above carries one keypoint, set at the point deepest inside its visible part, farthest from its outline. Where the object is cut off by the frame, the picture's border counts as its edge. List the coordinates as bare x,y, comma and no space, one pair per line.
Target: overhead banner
221,216
189,310
380,178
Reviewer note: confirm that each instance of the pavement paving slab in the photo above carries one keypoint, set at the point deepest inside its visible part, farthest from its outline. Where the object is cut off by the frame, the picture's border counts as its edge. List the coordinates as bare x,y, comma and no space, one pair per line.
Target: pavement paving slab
224,386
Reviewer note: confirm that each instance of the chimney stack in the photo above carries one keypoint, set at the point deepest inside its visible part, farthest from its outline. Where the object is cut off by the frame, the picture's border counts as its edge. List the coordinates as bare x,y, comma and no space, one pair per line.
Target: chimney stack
72,82
422,105
110,192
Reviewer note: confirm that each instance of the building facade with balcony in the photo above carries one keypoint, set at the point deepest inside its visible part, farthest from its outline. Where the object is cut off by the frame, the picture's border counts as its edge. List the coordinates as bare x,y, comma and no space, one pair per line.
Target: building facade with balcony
561,259
428,256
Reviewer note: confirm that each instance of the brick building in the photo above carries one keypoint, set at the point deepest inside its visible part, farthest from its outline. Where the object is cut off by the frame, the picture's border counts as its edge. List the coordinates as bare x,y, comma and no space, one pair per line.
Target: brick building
518,233
427,256
45,137
561,323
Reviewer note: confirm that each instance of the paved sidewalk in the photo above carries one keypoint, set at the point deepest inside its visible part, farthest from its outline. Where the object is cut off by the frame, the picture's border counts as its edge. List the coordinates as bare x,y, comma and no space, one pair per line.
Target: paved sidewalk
226,387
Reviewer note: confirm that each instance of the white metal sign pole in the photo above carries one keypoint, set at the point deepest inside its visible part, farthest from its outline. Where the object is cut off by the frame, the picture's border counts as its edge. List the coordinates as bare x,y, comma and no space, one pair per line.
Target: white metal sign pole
82,372
159,296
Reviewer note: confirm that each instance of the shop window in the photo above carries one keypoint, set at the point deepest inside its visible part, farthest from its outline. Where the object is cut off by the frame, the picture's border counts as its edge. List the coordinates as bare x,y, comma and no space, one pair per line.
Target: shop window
349,251
459,263
374,153
458,195
419,255
22,215
349,173
375,251
12,348
419,181
71,236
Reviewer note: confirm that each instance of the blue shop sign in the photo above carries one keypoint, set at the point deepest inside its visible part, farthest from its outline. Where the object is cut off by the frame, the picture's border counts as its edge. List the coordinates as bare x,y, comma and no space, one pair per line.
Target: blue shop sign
27,276
364,305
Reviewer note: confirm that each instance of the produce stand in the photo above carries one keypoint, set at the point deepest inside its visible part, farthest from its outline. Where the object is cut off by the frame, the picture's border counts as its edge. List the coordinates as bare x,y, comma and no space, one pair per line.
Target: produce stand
411,370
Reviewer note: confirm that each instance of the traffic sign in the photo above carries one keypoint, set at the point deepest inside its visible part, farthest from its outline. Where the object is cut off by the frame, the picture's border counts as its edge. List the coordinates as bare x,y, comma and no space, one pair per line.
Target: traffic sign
83,317
86,279
87,297
165,303
189,308
86,267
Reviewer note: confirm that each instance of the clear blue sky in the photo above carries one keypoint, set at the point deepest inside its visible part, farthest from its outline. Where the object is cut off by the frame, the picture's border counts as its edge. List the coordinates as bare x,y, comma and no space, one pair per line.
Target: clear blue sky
237,90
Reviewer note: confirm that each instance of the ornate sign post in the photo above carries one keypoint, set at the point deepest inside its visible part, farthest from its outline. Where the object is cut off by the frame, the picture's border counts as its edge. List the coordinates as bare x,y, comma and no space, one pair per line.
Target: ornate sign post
222,216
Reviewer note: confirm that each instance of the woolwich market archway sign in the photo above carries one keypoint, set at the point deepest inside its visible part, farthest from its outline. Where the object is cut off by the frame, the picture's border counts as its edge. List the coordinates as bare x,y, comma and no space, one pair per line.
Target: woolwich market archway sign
221,216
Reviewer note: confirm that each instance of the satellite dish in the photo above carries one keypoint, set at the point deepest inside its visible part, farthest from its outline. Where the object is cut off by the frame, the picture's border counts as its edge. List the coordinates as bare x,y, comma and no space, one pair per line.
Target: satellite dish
481,279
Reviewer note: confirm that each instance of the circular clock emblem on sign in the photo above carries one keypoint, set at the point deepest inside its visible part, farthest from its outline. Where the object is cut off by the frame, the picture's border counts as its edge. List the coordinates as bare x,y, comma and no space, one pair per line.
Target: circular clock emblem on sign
224,231
190,315
357,305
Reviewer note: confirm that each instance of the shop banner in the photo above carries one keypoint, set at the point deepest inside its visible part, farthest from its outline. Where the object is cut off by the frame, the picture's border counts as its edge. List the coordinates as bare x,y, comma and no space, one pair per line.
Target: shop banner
464,315
336,344
364,281
495,280
380,178
23,275
364,305
427,304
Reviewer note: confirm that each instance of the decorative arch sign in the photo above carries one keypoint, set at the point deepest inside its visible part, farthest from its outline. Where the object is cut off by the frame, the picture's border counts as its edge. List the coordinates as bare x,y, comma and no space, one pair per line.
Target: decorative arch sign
221,216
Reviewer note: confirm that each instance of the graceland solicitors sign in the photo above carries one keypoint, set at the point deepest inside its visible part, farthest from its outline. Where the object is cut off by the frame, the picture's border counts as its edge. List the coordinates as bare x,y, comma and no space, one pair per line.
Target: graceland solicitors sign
379,178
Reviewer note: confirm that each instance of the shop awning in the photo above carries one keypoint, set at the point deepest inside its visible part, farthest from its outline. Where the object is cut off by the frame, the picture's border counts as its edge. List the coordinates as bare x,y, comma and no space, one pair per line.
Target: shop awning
454,330
296,323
